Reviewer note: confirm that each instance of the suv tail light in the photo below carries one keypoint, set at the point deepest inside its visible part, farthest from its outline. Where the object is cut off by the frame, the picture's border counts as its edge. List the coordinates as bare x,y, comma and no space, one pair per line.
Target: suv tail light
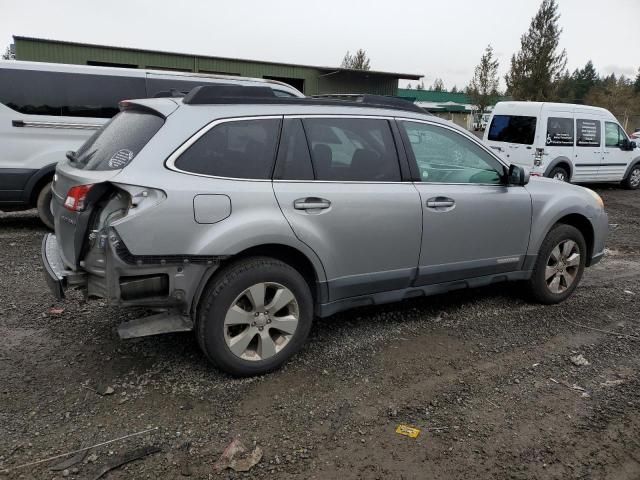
77,198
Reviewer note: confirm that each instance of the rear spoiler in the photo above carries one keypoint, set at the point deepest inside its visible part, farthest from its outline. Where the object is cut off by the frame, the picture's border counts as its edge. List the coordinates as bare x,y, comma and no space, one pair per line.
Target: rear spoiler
158,106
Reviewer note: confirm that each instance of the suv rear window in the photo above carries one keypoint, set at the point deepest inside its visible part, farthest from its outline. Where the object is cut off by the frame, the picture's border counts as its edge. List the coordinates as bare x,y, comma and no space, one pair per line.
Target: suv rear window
115,145
512,129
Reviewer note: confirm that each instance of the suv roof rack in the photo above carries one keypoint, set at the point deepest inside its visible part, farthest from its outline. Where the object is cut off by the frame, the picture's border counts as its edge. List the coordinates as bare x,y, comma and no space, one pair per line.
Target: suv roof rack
374,100
246,94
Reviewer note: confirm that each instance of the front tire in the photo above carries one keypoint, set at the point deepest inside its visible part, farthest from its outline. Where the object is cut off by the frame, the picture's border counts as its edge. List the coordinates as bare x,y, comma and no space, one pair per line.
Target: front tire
559,266
632,180
254,315
560,174
43,204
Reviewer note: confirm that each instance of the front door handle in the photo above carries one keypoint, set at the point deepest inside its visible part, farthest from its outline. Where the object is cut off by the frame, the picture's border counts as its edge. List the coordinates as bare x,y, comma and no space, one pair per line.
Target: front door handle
441,203
311,203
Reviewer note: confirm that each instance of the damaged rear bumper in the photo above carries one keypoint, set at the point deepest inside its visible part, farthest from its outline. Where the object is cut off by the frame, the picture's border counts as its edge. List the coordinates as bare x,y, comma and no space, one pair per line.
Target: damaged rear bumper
167,284
58,277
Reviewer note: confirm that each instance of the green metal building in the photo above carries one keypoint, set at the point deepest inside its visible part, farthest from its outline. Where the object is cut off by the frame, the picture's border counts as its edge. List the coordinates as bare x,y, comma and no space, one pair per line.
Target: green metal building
311,80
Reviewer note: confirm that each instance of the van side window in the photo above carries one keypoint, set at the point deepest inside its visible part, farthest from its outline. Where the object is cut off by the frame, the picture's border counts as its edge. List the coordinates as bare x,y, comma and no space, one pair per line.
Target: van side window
352,149
234,149
294,160
559,132
37,92
587,133
613,134
445,156
512,129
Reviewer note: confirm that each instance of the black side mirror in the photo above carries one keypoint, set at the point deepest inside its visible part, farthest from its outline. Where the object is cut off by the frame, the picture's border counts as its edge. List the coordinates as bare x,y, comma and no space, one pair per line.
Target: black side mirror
632,145
625,144
517,176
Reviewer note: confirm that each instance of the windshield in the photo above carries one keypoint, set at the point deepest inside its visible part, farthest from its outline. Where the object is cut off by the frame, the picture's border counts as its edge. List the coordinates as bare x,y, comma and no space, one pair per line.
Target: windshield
116,144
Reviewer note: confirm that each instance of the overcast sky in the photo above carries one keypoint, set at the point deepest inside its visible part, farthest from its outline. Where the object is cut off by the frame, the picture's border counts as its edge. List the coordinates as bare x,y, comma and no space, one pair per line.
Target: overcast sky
436,39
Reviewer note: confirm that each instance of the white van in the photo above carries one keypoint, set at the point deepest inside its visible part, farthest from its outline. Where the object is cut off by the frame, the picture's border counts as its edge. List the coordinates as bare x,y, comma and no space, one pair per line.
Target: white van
48,109
567,142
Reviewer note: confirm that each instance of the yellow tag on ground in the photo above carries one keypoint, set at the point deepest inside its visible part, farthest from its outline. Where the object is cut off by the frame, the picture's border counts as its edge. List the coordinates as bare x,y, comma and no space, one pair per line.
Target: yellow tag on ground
408,431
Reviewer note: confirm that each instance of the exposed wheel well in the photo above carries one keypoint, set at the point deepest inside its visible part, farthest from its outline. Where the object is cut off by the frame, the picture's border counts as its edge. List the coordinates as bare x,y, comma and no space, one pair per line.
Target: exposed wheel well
583,224
289,255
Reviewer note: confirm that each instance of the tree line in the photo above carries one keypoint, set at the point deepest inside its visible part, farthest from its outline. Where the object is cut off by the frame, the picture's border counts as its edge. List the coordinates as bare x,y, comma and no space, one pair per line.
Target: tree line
538,72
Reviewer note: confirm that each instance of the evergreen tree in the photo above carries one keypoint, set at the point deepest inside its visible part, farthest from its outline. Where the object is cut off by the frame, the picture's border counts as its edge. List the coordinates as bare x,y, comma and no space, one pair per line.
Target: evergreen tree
483,88
538,64
358,61
636,84
438,85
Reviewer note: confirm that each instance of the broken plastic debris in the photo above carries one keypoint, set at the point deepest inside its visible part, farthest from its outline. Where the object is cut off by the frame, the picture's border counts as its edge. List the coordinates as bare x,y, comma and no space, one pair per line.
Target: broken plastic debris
243,463
56,311
579,361
407,431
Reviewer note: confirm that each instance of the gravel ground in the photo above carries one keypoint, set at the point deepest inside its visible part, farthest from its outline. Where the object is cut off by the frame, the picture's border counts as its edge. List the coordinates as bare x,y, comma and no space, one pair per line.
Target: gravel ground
484,374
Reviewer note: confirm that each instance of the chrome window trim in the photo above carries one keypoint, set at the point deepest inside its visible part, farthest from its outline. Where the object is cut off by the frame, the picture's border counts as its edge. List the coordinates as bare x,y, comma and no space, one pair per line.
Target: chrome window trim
171,160
67,125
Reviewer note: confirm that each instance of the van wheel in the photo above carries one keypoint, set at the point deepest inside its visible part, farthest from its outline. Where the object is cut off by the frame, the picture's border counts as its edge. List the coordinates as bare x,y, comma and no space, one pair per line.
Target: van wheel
255,315
560,174
559,266
43,204
632,181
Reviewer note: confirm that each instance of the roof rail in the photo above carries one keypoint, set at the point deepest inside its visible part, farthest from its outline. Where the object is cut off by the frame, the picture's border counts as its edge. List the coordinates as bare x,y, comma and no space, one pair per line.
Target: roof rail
374,100
258,95
205,94
171,93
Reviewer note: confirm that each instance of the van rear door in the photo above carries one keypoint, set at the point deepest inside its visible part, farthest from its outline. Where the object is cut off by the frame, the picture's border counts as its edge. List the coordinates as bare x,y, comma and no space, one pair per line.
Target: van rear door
512,137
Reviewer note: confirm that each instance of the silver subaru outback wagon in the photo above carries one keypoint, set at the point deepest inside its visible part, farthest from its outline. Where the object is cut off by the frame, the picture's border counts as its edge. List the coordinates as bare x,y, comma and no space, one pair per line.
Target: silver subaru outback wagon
242,216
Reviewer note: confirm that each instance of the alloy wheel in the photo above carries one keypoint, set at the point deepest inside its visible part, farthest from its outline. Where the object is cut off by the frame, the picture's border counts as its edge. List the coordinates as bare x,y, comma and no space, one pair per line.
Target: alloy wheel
562,266
261,321
634,177
560,176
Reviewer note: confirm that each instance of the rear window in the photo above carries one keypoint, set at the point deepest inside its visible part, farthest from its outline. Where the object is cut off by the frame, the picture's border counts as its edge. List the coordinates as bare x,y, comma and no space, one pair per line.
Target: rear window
117,143
512,129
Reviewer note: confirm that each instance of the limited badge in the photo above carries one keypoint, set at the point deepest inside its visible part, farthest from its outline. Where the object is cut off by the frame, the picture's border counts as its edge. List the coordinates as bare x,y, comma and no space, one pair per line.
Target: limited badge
121,158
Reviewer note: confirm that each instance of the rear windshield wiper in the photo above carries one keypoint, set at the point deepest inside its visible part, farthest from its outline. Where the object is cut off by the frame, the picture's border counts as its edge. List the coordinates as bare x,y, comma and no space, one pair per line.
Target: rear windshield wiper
71,155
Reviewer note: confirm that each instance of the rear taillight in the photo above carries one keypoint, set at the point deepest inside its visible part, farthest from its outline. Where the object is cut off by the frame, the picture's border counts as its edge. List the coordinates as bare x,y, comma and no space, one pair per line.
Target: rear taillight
77,198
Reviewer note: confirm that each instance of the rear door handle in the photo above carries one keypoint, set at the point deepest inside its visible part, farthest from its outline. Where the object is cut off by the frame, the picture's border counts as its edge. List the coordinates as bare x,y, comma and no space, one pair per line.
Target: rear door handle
440,202
310,203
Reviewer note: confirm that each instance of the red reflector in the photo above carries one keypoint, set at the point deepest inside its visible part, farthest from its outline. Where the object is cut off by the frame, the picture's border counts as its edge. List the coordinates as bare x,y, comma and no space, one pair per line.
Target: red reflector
76,197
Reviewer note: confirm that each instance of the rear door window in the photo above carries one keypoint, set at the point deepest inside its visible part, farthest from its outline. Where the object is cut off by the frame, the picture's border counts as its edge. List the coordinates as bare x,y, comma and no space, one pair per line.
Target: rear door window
512,129
352,149
294,160
559,132
35,92
234,149
587,133
117,143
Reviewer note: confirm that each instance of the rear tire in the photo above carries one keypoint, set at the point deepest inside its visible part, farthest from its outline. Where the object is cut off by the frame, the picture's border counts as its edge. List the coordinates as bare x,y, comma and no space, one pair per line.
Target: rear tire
43,204
560,174
632,180
559,266
254,315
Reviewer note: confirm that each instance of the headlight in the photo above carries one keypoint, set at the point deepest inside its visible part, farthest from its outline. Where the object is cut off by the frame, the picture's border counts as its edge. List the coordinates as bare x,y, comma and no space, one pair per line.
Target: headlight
596,196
